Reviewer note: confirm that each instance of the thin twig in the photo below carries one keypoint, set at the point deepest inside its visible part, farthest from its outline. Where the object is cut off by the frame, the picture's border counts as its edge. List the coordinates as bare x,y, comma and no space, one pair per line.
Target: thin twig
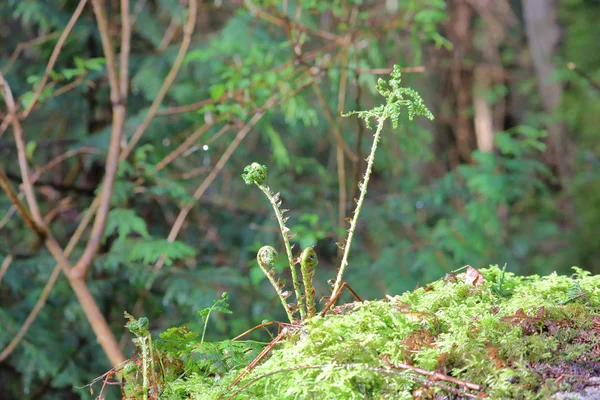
283,21
332,123
125,49
24,45
32,315
573,67
5,264
14,199
187,143
364,367
188,30
54,57
21,154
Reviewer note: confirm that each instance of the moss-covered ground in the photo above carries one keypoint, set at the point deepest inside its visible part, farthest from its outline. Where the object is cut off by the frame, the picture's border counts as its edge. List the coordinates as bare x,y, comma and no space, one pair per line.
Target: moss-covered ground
474,334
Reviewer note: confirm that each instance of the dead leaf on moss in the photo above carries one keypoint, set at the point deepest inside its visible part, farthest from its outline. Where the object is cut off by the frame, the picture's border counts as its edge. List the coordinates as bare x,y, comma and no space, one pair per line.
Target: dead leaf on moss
529,324
416,340
450,278
494,355
473,276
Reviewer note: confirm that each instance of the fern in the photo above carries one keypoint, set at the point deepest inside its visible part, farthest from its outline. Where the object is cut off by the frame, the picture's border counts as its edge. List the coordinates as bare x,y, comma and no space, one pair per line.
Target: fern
125,222
150,251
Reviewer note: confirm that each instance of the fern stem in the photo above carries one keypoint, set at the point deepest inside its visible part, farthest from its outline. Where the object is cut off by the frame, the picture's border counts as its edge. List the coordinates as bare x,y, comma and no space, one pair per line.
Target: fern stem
308,262
288,249
262,257
363,191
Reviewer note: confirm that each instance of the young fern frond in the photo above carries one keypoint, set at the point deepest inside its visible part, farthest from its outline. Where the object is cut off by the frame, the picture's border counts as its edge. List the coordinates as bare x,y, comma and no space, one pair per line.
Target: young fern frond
257,174
308,263
266,258
396,97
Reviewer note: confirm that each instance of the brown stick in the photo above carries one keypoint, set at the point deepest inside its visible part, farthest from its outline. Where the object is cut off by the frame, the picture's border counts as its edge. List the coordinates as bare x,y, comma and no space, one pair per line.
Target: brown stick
88,304
125,49
112,161
332,123
188,30
54,57
437,376
86,300
14,198
190,140
24,45
5,264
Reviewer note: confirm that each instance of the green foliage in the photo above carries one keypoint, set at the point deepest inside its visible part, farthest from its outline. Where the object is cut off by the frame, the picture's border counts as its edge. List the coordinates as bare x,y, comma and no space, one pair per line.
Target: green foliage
178,352
150,251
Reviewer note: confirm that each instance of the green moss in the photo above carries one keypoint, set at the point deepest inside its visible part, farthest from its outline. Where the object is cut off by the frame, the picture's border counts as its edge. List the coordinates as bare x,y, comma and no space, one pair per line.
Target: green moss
514,343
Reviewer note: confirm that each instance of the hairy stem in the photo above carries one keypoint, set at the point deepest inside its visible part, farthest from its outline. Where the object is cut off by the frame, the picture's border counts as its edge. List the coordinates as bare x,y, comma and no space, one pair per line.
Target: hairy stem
266,258
363,191
308,262
274,200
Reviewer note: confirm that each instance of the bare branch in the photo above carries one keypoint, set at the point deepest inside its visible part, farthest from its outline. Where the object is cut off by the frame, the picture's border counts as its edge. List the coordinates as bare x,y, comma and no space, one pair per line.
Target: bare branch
112,160
14,198
24,45
125,48
21,152
54,57
188,30
5,264
189,141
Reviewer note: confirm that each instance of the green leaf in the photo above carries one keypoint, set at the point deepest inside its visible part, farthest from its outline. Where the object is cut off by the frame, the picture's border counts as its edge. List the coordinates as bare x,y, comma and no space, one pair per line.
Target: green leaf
150,251
124,222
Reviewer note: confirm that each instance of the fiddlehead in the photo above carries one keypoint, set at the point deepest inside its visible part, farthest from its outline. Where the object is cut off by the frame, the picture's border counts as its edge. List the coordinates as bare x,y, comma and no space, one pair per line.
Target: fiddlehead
266,258
308,262
257,174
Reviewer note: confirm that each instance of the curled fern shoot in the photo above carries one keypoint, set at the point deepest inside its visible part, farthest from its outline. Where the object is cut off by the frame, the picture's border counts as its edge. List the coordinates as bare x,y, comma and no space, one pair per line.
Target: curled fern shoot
266,258
396,97
256,173
308,263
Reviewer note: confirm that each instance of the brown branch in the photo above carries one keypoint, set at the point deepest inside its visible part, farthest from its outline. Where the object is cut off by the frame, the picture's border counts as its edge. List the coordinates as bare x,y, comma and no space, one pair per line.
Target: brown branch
228,95
189,141
338,135
86,300
188,30
51,164
125,49
32,315
112,160
21,208
54,57
21,153
24,45
5,264
573,67
283,22
364,367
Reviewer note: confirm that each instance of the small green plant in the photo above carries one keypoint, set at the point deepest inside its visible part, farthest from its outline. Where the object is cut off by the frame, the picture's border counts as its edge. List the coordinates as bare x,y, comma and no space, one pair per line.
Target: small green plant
396,97
178,352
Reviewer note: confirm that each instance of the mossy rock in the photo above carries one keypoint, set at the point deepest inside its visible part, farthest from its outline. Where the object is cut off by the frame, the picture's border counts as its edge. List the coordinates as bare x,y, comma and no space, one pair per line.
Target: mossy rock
483,333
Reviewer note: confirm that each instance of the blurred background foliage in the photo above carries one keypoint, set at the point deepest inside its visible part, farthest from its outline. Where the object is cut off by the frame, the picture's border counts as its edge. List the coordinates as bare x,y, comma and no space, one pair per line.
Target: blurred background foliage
508,172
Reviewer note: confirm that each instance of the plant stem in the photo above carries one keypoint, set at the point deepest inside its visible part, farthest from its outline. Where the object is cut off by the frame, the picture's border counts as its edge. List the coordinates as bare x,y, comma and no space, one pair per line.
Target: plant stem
271,279
308,262
363,191
288,249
